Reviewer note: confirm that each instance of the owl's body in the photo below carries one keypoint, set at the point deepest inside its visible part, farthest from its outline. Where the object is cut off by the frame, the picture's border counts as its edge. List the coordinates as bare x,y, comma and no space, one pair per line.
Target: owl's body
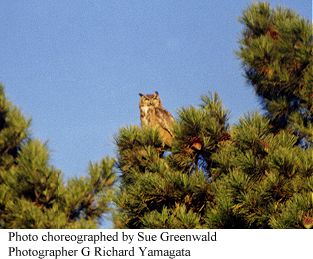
153,114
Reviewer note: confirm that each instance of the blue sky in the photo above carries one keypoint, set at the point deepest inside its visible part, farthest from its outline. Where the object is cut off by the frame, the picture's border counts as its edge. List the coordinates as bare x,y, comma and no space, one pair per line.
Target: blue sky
76,67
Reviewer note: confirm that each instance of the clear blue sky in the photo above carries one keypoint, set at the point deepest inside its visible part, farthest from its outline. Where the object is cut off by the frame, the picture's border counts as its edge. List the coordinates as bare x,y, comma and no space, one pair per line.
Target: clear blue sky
76,67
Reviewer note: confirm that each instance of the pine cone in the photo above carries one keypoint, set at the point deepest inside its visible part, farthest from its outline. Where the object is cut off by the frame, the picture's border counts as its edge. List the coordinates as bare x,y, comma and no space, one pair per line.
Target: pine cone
196,144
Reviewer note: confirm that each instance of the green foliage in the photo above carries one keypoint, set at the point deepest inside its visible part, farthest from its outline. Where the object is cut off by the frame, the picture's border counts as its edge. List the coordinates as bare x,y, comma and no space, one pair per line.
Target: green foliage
160,192
294,213
197,134
13,131
178,217
259,175
32,192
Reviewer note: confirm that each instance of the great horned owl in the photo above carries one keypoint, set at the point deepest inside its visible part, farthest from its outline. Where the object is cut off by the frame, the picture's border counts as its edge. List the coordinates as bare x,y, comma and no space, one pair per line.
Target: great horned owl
153,114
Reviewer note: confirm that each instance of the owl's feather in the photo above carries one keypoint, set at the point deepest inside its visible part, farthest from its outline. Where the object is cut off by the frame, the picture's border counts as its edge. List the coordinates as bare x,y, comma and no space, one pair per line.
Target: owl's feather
165,119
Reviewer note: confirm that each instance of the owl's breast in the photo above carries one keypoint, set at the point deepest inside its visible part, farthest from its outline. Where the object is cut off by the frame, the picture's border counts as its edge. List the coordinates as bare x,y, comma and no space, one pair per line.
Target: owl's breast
144,109
146,115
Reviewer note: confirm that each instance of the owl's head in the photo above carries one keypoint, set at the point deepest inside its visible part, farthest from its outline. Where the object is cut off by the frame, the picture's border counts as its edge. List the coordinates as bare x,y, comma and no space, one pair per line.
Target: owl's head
150,100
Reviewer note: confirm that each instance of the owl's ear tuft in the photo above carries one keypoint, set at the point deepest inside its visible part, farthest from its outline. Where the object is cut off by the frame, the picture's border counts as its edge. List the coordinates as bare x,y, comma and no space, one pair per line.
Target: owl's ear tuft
156,92
140,94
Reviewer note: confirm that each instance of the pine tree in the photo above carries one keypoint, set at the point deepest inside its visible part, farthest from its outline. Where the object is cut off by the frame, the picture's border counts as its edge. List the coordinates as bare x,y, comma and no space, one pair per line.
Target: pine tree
257,173
33,193
276,53
170,188
264,179
265,173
